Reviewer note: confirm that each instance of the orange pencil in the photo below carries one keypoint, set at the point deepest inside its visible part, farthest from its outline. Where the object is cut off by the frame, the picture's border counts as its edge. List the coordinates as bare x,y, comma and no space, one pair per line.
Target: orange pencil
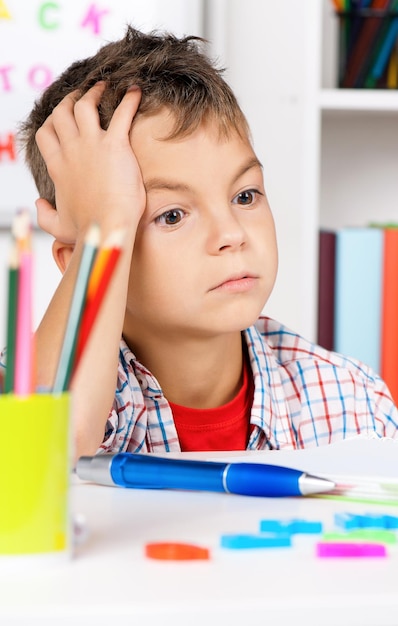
337,5
98,268
102,273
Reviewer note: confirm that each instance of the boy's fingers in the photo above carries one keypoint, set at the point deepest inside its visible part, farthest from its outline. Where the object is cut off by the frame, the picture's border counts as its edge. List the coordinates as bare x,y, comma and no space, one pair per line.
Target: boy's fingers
74,112
47,139
74,115
86,108
63,117
124,114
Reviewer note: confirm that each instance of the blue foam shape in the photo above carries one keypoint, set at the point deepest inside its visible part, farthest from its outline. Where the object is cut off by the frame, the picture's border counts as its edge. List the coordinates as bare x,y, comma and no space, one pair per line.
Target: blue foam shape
292,526
372,520
305,527
244,542
274,526
390,522
347,521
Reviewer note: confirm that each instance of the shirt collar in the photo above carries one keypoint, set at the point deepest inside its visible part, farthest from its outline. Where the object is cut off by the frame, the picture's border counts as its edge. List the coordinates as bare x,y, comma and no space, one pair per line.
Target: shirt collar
270,411
270,414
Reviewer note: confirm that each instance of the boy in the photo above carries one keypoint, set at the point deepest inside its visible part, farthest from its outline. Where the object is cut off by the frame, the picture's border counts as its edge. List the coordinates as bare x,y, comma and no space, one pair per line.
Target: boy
148,137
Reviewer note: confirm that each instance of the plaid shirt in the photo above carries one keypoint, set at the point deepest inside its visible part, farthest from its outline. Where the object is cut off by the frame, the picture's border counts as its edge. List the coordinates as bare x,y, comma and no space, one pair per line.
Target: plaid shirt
304,396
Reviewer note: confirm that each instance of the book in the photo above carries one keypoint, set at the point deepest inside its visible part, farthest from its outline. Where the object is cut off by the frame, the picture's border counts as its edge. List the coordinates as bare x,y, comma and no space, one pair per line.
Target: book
389,313
359,268
326,288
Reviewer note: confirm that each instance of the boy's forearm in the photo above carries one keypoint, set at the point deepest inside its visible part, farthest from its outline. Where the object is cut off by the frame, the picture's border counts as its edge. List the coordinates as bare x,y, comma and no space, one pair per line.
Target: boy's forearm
93,386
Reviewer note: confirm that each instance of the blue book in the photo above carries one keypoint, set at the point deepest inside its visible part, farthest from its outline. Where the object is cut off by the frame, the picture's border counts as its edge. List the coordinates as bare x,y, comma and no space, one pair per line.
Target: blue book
359,269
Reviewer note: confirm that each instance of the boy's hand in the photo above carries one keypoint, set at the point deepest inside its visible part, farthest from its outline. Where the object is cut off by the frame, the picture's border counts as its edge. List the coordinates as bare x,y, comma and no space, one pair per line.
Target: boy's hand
94,171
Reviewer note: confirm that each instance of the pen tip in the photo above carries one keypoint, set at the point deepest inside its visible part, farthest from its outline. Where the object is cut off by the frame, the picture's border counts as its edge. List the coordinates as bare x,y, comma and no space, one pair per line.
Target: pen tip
309,485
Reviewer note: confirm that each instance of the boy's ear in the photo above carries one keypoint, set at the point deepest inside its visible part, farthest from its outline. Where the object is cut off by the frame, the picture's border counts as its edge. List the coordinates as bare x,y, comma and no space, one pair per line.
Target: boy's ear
62,253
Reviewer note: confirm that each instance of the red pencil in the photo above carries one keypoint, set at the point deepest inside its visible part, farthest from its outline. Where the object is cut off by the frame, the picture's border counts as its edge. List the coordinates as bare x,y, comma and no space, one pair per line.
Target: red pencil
103,270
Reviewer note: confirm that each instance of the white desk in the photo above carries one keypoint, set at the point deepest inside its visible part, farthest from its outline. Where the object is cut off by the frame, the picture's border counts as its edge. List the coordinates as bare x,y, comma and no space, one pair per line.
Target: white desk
109,580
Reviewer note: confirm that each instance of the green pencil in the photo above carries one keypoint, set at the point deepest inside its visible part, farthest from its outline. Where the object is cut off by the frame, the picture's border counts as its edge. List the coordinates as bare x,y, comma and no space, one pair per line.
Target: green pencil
68,350
11,318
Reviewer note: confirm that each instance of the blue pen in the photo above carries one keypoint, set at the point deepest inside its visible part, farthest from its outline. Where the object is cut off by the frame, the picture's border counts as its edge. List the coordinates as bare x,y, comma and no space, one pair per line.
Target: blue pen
146,471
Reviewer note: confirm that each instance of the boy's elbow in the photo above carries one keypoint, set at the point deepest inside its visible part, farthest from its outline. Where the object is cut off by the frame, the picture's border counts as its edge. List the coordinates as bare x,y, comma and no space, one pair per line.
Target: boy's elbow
85,443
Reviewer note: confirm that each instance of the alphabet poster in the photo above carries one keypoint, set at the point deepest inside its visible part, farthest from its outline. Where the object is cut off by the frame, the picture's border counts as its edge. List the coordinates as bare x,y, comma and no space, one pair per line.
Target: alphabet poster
39,39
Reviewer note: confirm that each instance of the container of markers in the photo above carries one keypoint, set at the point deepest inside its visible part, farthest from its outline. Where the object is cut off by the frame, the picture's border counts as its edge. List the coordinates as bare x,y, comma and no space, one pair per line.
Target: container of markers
35,467
368,48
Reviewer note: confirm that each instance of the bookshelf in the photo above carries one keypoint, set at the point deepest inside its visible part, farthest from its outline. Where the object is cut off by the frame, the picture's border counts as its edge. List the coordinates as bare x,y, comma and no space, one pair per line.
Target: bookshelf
358,146
345,100
330,155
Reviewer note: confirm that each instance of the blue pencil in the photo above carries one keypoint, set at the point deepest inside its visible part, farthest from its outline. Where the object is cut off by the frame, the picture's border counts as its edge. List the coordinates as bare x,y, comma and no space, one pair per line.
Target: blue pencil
68,350
386,48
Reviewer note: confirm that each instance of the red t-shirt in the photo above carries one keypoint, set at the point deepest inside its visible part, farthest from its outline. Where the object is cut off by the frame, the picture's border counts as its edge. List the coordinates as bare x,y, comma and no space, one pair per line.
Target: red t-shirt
223,428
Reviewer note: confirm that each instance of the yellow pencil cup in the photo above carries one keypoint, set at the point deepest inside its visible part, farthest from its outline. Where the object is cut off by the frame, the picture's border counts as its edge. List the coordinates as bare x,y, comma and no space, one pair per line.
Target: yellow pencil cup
35,464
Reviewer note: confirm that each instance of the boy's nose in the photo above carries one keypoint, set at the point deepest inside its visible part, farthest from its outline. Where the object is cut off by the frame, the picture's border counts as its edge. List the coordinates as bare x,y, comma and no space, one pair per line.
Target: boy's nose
225,232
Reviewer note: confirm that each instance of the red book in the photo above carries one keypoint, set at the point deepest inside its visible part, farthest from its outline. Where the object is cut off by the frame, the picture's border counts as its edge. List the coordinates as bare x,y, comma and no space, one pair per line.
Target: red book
326,288
389,314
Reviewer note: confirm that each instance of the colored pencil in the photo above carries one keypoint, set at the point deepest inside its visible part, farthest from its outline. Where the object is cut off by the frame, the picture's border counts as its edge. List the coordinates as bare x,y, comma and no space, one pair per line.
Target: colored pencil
12,306
392,70
103,269
69,345
23,383
23,372
96,272
367,38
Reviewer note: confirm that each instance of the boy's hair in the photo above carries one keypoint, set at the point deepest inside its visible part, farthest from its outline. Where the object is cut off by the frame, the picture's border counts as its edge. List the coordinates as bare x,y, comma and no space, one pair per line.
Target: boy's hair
171,72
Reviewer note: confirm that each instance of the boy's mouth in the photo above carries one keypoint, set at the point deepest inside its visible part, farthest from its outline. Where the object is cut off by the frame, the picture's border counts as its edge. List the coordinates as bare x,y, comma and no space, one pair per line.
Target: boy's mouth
237,284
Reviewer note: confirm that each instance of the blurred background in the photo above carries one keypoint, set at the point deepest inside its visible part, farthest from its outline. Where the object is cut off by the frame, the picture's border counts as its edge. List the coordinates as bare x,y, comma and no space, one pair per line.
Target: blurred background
330,155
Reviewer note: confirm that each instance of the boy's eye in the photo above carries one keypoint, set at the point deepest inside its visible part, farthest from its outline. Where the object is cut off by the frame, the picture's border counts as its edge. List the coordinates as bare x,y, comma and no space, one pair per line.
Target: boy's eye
246,198
171,217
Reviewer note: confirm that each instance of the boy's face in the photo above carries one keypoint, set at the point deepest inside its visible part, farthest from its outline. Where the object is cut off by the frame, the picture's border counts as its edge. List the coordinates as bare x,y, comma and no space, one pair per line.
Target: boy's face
205,256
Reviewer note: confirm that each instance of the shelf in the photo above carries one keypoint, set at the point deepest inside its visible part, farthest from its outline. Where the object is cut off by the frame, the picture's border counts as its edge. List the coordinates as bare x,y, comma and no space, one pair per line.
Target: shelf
358,100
